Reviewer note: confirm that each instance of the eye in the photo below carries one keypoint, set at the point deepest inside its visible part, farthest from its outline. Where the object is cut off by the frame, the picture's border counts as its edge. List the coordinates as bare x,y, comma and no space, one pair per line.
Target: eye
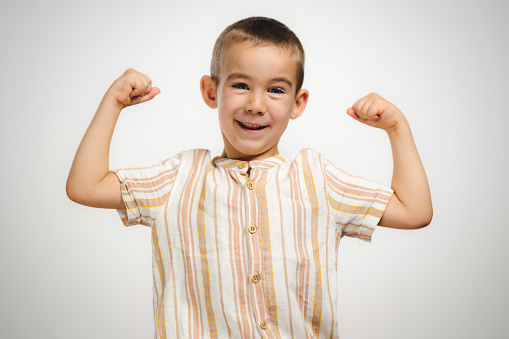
241,86
276,90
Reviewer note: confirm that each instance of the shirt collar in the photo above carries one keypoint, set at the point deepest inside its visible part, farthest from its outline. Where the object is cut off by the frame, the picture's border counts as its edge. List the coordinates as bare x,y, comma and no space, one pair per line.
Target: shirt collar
271,162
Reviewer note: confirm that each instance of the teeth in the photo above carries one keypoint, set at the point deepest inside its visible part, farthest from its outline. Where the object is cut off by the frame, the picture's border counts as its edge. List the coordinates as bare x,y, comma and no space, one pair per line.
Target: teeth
247,124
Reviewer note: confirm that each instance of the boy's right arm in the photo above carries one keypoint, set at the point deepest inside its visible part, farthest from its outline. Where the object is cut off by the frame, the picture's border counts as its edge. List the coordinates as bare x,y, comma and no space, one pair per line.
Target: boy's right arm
90,182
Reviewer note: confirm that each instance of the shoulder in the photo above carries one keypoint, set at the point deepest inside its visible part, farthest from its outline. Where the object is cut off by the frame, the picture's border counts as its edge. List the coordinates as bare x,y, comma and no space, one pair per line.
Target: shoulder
173,163
315,162
191,161
191,155
310,157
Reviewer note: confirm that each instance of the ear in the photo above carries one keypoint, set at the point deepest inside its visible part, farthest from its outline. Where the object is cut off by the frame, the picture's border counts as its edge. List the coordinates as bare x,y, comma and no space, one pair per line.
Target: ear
208,91
301,100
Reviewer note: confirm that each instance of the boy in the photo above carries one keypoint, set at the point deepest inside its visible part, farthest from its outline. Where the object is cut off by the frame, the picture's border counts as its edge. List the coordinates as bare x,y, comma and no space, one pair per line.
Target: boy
245,244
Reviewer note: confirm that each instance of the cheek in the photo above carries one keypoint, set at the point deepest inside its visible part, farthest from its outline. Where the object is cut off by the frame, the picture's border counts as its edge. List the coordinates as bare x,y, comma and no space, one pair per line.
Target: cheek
227,102
281,113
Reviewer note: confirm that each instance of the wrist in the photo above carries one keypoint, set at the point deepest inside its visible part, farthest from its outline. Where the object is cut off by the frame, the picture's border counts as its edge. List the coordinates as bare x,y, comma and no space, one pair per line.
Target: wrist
112,103
400,127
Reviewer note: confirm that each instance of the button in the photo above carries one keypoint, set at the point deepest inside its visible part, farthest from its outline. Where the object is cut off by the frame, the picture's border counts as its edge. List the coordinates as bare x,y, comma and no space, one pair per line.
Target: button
250,185
264,325
242,164
252,229
255,278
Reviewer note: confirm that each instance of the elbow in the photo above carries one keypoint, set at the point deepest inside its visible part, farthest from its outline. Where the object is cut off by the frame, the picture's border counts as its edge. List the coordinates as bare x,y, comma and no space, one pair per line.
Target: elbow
420,224
75,193
72,193
421,220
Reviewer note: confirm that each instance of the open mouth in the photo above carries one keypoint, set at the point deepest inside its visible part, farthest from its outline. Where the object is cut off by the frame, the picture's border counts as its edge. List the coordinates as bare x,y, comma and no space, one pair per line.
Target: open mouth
252,127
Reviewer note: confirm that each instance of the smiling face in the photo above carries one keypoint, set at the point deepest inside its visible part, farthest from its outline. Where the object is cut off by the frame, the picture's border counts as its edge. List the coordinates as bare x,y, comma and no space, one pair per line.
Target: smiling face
255,98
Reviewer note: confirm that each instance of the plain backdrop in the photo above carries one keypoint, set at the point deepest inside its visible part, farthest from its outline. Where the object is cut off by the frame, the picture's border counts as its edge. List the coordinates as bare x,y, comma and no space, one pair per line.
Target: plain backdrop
68,271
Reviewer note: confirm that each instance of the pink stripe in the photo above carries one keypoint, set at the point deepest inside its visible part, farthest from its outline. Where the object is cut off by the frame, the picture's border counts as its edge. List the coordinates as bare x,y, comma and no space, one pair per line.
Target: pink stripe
216,229
343,188
175,309
233,194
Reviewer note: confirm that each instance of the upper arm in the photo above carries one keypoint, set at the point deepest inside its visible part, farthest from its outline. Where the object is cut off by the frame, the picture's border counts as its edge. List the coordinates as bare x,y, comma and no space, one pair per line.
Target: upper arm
105,194
396,215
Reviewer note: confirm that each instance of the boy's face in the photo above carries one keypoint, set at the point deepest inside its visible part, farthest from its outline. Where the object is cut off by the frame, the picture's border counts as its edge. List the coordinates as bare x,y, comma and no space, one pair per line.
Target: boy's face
255,98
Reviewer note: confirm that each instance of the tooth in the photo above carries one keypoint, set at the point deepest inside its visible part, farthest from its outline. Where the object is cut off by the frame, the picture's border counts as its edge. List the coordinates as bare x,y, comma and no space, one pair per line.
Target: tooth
249,125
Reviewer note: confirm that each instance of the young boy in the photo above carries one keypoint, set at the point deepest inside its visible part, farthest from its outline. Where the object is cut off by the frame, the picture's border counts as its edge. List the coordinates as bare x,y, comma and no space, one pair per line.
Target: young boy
245,244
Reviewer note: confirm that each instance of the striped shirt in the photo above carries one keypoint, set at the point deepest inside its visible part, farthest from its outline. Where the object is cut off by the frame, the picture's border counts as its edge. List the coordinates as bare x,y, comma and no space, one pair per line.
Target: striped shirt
248,249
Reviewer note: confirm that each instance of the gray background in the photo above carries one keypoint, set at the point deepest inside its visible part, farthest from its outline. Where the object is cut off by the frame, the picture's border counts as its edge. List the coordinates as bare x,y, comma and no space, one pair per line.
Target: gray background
68,271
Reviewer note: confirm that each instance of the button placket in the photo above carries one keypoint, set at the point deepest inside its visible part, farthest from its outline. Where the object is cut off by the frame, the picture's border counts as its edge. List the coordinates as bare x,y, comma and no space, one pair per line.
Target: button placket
254,280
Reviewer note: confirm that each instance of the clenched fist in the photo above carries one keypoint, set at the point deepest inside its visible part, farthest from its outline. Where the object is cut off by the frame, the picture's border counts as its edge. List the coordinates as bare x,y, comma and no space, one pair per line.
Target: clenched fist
132,88
375,111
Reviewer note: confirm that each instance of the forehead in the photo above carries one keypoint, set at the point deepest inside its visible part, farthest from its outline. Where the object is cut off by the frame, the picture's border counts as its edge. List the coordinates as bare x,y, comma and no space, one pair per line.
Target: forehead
260,61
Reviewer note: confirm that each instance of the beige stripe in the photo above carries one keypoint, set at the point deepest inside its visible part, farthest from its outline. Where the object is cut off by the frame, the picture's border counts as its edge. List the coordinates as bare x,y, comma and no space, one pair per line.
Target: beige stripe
153,202
152,189
154,180
304,249
338,239
300,244
154,166
352,224
342,187
195,292
380,198
281,157
357,235
184,263
219,275
234,211
232,164
350,209
161,329
145,224
267,251
299,213
283,249
317,308
186,249
327,254
175,300
225,163
156,294
200,218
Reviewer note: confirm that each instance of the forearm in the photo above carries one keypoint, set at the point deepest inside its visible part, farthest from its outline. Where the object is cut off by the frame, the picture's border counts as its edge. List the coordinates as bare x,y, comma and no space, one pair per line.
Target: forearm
409,180
91,162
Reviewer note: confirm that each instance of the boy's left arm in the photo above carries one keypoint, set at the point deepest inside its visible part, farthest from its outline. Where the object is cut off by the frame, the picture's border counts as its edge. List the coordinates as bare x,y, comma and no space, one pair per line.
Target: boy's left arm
410,206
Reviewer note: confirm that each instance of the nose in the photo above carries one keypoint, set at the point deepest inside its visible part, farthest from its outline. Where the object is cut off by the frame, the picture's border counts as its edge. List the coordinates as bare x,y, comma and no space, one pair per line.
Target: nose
255,104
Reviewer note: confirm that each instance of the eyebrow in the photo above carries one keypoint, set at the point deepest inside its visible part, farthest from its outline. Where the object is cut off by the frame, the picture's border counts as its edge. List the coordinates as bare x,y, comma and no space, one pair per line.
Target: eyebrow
235,76
285,80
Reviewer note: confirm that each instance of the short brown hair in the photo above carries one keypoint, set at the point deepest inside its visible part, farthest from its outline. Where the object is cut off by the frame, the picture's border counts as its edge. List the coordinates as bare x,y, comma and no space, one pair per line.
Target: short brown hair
260,31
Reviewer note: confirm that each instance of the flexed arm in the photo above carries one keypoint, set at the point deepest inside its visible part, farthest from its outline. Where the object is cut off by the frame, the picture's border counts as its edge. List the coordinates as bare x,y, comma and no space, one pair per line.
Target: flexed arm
89,182
410,207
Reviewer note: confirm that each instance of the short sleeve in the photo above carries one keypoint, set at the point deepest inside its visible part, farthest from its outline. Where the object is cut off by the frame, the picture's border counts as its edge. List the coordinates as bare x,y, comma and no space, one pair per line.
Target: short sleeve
145,190
356,203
